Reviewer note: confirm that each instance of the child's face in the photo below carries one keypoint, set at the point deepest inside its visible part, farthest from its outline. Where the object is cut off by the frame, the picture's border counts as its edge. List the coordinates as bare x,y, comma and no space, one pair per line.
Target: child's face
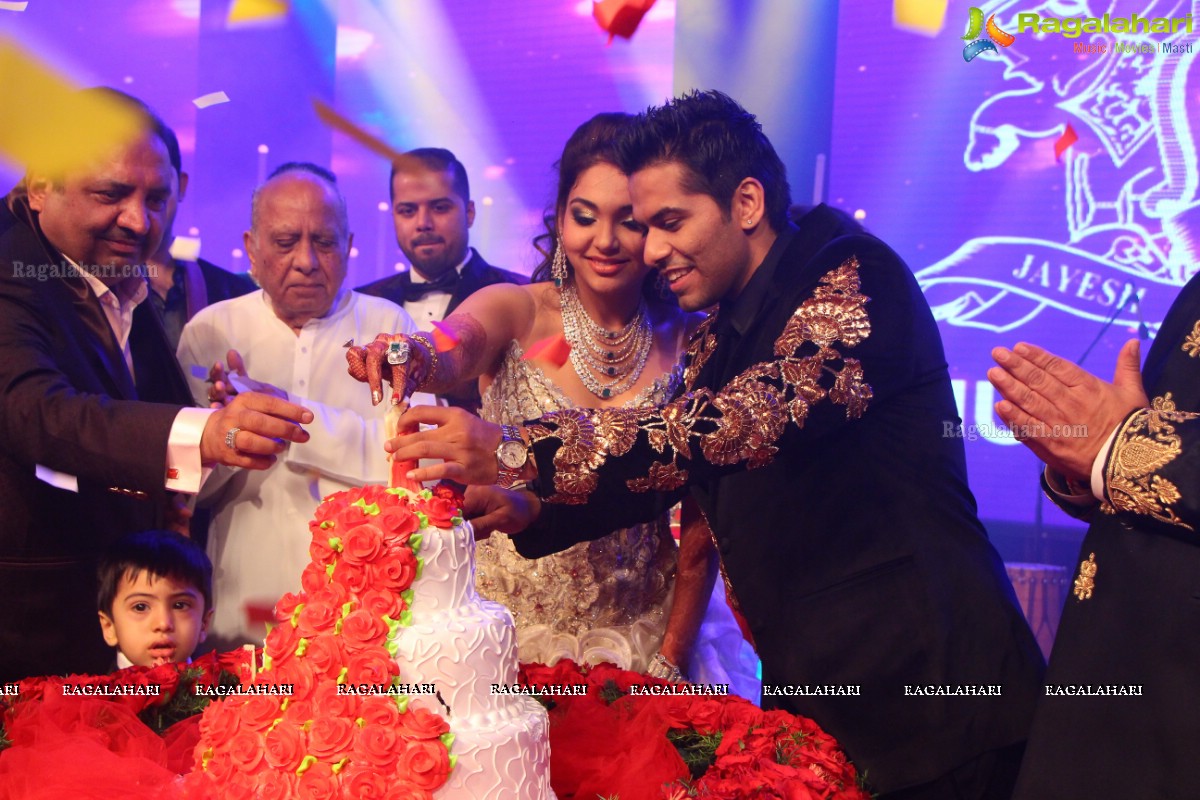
155,620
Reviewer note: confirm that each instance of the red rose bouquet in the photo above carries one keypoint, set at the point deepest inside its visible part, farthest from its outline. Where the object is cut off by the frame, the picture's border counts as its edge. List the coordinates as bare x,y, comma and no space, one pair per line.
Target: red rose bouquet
672,747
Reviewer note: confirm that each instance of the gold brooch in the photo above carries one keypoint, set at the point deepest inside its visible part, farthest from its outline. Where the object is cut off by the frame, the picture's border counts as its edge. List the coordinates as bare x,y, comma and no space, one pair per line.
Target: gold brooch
1086,581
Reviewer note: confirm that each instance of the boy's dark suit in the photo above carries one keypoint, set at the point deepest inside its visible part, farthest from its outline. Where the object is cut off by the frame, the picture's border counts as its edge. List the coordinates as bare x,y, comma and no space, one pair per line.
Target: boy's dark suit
70,405
812,428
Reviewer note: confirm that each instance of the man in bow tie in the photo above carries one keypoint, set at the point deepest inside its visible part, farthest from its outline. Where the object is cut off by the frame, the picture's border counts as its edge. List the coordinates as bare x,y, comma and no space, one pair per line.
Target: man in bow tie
433,213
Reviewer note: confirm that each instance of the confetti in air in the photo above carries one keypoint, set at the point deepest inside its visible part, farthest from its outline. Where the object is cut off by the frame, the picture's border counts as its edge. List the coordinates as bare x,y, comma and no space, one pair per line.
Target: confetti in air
444,339
211,99
554,350
49,125
925,17
256,12
373,143
620,17
1068,138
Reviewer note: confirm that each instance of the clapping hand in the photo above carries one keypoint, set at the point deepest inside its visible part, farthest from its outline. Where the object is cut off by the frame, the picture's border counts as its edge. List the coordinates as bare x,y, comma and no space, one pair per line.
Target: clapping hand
1059,410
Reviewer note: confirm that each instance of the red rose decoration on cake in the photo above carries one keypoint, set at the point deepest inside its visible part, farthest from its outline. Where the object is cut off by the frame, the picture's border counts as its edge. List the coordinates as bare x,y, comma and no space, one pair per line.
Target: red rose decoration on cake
285,747
363,544
396,571
293,732
441,511
426,763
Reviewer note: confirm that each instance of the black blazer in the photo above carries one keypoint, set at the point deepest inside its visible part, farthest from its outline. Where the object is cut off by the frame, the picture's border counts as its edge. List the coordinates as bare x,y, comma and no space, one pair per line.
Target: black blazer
71,405
811,431
1136,621
221,284
475,275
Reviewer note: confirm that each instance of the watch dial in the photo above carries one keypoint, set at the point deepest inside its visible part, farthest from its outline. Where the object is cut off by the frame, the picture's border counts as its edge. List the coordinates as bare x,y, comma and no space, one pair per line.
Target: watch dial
512,455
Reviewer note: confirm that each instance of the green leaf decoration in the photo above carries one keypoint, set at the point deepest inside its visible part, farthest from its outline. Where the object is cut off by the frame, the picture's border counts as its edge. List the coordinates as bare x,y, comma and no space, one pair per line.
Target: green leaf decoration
610,692
302,648
406,618
698,750
414,542
305,763
370,510
447,739
327,524
335,543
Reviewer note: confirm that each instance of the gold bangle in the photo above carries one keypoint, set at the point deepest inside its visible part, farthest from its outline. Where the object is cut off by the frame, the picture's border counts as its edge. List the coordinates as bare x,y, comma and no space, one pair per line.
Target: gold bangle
431,368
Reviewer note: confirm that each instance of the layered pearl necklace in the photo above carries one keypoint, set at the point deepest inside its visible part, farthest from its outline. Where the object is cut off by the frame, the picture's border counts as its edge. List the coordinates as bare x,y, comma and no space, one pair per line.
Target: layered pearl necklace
608,362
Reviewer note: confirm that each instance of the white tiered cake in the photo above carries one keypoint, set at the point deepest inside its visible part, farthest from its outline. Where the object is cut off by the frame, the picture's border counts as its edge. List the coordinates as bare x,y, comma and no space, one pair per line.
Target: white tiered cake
465,645
387,627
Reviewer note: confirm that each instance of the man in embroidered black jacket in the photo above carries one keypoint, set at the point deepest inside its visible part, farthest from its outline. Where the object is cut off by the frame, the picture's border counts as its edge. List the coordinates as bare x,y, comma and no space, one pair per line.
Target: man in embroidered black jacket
1128,636
811,429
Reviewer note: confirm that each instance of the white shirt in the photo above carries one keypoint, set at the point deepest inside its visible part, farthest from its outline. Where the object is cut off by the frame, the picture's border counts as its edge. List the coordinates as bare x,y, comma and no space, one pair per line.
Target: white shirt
433,306
259,537
118,304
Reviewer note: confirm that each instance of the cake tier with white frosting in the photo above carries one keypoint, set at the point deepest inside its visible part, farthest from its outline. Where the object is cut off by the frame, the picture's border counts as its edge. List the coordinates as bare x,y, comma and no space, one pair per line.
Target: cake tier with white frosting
465,646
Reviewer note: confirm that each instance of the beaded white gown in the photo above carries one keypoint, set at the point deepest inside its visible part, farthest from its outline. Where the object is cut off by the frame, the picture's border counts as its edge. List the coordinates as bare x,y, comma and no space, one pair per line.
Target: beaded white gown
608,599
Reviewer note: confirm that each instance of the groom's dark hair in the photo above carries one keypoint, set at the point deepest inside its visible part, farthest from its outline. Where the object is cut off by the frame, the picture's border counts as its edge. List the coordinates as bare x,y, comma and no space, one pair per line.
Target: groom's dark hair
718,142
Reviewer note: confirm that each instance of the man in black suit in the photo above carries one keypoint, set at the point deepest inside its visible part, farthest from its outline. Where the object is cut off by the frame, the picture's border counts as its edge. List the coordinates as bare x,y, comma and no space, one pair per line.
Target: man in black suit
1119,716
433,212
97,430
810,429
179,287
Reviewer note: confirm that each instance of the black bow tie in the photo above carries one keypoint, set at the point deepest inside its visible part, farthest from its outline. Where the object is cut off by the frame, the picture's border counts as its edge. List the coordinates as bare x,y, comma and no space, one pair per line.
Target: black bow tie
414,291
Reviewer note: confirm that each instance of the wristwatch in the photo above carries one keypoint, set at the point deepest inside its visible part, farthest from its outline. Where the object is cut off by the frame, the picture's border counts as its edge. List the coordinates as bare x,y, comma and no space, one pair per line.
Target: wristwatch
511,456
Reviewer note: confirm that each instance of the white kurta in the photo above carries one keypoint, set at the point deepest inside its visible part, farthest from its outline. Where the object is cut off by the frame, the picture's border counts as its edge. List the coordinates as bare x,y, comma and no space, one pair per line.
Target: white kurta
258,539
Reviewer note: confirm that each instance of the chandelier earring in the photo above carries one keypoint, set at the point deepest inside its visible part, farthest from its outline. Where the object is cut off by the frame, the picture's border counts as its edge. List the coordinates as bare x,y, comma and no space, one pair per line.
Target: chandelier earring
558,265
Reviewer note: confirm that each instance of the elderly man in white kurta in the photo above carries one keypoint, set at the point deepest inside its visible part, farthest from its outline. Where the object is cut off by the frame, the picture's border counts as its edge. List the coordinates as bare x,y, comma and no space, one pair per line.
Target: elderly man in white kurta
288,338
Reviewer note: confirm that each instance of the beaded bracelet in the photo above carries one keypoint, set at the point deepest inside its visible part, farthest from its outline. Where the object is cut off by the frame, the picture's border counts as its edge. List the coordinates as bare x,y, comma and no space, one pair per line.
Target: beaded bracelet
431,370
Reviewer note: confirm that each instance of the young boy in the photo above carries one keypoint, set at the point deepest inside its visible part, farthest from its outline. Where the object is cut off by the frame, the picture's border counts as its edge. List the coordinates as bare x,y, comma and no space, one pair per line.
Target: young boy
155,598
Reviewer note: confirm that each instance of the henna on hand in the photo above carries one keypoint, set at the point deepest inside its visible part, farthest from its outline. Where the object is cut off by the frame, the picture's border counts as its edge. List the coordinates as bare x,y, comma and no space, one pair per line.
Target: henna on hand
464,338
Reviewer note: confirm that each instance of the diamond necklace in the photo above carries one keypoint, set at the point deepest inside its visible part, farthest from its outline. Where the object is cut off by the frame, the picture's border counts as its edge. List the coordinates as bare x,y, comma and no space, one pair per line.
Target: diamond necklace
608,362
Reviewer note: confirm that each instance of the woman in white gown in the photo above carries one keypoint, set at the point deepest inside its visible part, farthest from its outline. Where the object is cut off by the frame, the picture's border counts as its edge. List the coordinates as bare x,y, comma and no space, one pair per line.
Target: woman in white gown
632,598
